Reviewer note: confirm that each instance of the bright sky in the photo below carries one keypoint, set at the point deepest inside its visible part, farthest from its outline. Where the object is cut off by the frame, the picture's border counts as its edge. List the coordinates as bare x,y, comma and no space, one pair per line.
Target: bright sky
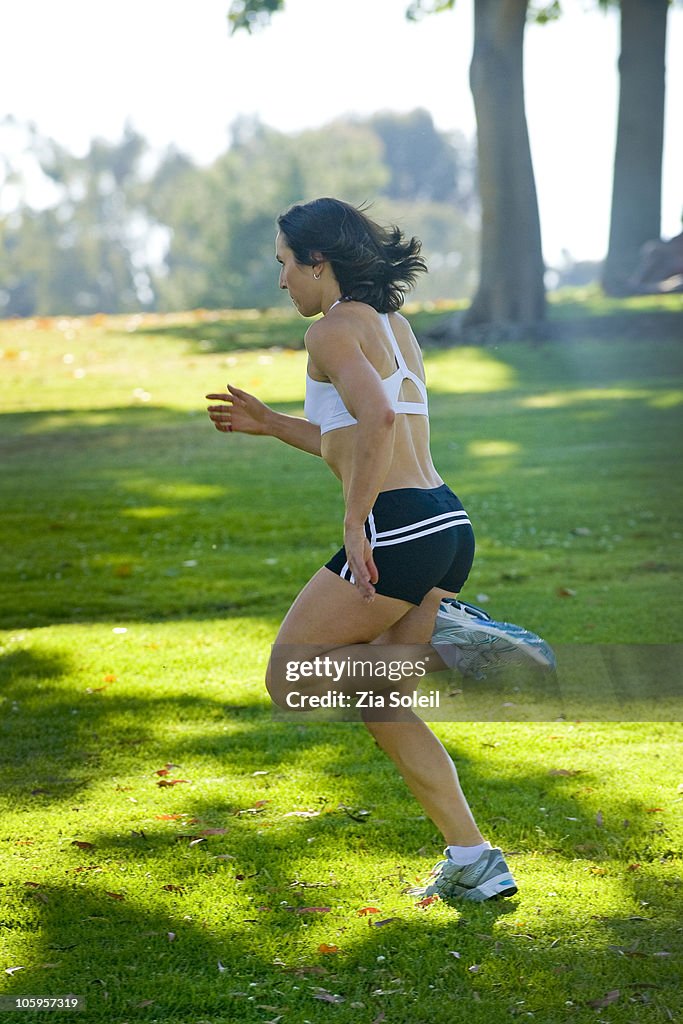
80,68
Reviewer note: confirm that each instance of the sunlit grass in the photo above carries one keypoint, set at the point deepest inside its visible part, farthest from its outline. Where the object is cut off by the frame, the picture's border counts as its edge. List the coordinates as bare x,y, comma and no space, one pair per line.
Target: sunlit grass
147,561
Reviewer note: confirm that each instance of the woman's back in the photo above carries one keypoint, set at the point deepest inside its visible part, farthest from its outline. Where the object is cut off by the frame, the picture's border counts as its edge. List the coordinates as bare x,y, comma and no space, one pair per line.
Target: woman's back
395,355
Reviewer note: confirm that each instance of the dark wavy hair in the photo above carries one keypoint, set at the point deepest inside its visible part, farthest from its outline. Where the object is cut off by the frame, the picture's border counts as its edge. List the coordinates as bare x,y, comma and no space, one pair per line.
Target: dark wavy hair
372,264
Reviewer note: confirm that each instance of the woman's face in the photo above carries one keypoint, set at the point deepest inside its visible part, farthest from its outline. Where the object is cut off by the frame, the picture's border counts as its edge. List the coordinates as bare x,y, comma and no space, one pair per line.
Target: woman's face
298,280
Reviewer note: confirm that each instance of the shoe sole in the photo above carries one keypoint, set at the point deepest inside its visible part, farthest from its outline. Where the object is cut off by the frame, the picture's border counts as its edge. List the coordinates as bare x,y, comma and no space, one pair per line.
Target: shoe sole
491,889
476,638
482,631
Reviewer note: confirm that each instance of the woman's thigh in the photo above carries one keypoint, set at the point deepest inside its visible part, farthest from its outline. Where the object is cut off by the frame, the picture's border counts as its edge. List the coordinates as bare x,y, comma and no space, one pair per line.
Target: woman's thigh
329,612
328,615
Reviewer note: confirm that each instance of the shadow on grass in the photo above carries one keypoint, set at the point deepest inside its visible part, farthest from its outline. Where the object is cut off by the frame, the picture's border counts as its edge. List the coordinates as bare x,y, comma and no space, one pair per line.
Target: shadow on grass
55,742
160,921
203,936
268,329
108,508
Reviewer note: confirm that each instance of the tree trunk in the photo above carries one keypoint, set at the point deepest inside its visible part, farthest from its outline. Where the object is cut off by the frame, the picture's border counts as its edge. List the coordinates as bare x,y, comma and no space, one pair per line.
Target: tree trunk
511,286
637,185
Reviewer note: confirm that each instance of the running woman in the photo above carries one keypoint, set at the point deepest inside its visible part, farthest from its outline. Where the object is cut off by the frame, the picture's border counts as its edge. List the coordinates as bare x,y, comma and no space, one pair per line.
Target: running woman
408,542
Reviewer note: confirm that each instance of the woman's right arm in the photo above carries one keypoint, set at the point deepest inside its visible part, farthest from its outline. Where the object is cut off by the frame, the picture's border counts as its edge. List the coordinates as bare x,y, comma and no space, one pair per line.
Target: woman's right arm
245,414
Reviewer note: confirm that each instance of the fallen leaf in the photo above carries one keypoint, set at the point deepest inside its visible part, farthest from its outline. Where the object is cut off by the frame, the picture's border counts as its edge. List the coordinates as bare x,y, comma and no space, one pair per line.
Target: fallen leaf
327,997
257,808
171,782
310,910
116,895
367,910
298,883
301,814
173,888
455,954
426,901
82,845
213,831
566,592
356,814
606,1000
169,817
565,771
13,970
628,950
325,948
653,810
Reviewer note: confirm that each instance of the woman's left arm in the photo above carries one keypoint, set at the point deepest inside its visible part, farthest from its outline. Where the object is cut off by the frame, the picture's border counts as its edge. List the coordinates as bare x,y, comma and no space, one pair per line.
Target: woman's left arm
343,362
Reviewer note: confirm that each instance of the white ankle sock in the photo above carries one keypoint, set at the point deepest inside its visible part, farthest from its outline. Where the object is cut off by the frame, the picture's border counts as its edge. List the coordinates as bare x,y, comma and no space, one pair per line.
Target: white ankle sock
468,854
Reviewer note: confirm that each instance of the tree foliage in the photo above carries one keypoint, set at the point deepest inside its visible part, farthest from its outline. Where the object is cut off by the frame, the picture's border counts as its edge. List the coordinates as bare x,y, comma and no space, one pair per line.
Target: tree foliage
251,14
83,252
511,283
127,229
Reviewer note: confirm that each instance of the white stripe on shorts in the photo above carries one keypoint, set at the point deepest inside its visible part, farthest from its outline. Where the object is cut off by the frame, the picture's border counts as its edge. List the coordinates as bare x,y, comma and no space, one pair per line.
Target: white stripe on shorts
458,514
444,521
421,533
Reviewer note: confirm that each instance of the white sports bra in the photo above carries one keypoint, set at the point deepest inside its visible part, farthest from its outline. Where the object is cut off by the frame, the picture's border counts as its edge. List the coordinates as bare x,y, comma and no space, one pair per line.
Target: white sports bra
324,405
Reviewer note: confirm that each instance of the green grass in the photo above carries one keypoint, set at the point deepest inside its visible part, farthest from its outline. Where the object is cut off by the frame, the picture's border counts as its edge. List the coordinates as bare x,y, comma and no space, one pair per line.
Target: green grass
214,899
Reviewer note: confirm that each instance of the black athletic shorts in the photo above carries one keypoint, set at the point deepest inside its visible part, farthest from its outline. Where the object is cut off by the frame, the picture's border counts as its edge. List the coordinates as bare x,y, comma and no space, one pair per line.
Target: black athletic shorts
420,539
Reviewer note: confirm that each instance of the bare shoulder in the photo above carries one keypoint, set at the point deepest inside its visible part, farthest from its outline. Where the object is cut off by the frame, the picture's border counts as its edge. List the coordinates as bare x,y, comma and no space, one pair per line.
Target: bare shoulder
334,344
346,325
400,322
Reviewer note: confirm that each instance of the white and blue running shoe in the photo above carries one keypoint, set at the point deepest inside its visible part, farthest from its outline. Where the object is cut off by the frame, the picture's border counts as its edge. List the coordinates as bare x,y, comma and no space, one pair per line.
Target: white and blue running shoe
488,878
468,639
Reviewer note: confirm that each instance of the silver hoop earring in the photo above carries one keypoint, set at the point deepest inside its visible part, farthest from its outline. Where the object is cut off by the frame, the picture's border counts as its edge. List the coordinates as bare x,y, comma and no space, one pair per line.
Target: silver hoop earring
316,276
